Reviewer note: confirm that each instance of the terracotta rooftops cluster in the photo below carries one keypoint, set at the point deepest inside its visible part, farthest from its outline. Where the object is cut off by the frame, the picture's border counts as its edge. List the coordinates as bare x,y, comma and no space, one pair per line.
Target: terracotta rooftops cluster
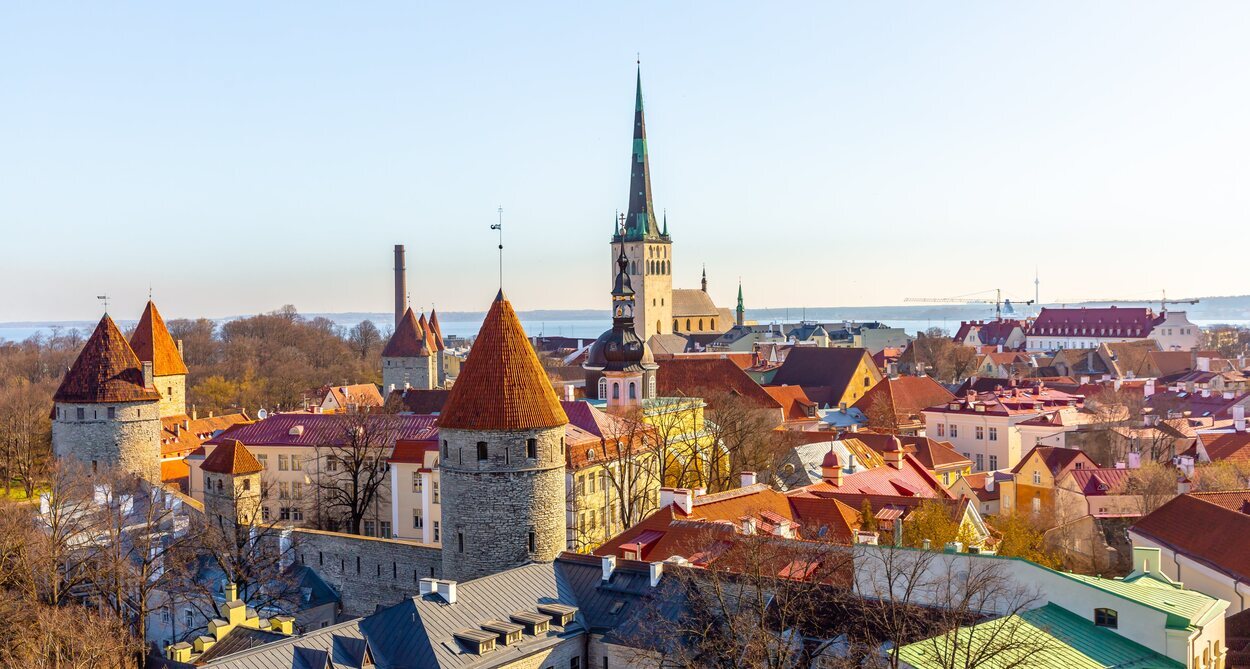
502,385
107,370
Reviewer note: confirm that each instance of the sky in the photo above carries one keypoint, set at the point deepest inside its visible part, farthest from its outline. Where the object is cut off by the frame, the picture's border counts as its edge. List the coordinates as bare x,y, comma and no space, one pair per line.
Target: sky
236,157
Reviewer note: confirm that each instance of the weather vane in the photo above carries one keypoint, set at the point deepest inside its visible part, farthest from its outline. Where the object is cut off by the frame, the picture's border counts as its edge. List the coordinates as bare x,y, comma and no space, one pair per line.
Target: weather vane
105,300
499,227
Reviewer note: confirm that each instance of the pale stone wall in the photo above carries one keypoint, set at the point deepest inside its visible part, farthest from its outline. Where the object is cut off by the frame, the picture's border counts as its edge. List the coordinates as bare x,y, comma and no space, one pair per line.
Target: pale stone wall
556,657
173,390
365,571
494,505
130,440
654,291
418,372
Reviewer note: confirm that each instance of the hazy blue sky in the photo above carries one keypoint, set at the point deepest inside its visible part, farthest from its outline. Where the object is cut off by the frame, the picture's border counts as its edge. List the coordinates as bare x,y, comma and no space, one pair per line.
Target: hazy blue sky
240,156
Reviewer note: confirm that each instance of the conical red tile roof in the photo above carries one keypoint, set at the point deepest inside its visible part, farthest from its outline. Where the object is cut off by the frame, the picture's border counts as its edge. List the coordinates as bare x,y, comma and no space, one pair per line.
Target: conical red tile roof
438,332
502,385
232,457
428,339
107,370
408,340
152,342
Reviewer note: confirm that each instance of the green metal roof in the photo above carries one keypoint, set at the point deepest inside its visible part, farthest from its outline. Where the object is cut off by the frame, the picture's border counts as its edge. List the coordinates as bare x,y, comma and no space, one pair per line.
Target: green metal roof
1051,635
1185,608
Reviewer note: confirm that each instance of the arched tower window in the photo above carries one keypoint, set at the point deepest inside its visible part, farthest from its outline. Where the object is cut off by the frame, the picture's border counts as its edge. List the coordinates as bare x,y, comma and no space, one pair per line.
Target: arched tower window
482,452
687,325
657,328
633,391
675,326
603,388
700,325
616,391
651,386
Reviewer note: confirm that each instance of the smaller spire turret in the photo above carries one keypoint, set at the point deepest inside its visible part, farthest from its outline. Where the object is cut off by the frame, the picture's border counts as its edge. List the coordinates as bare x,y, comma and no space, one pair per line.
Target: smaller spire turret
740,312
704,282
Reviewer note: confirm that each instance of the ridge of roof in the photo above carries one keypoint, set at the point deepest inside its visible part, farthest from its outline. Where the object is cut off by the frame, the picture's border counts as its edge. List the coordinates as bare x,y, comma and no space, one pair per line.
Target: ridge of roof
231,457
408,341
107,370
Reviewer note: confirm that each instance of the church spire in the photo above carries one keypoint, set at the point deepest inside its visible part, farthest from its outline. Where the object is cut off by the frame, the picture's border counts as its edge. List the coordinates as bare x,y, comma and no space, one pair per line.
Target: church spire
640,219
704,282
740,312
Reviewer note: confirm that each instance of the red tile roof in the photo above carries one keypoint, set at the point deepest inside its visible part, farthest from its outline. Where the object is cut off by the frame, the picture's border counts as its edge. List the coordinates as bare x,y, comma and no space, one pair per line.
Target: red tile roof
1097,322
502,385
1229,446
436,330
107,370
817,367
412,451
231,457
1056,459
912,479
325,429
182,434
408,340
414,400
152,342
936,456
1200,526
906,395
1101,481
794,402
697,377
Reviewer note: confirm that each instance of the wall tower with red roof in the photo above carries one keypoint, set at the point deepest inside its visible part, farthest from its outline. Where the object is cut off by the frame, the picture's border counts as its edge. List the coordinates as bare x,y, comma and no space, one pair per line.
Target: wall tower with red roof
501,457
152,342
411,356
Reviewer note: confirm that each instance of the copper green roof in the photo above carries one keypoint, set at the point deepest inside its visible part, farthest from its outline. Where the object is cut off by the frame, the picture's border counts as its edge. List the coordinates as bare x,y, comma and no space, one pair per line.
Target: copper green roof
1049,636
1185,608
640,217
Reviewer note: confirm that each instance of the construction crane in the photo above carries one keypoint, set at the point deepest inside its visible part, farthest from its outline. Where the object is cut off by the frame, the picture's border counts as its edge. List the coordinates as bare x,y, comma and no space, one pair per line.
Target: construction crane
998,301
1163,302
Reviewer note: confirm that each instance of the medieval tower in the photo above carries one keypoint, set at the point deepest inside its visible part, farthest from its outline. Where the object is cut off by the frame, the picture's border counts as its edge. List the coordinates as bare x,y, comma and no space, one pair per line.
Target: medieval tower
620,365
107,408
232,485
412,357
647,248
502,456
152,342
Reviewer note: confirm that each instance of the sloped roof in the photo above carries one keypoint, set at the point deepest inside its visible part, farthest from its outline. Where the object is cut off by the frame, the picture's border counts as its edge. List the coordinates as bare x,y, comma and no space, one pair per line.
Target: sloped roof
1228,446
231,457
1200,525
1055,458
815,367
408,341
326,429
416,400
934,455
151,341
1101,481
794,402
502,385
435,330
695,376
358,394
906,395
107,370
1172,362
911,480
694,303
1084,322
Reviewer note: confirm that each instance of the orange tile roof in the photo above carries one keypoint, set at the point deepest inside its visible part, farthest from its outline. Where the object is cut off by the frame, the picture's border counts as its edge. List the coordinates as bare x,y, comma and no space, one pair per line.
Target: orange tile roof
175,471
906,395
794,402
1200,526
1227,446
696,377
182,434
936,456
1056,458
408,340
107,370
231,457
152,342
502,385
438,331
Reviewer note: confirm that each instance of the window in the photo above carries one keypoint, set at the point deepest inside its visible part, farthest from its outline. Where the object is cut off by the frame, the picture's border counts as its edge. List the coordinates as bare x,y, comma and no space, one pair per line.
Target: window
979,432
616,391
297,514
603,388
460,540
994,462
591,478
575,663
531,448
867,382
993,434
284,463
284,513
264,461
941,430
369,528
247,484
980,462
416,481
581,485
434,491
482,453
954,431
297,489
1106,618
284,490
533,542
188,618
633,390
1037,505
81,413
418,520
264,513
436,531
445,449
112,413
1037,477
386,529
332,463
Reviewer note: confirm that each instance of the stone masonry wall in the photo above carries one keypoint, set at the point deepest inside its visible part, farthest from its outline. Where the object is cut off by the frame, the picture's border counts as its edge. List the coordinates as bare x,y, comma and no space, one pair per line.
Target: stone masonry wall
131,440
173,390
494,504
365,571
419,373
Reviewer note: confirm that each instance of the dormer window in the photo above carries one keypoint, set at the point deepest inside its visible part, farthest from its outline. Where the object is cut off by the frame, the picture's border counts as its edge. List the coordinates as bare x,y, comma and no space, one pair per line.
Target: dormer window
1106,618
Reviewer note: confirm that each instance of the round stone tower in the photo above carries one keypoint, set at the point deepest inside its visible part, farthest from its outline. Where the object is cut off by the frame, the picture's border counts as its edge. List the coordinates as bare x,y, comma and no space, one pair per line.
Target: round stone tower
502,456
107,409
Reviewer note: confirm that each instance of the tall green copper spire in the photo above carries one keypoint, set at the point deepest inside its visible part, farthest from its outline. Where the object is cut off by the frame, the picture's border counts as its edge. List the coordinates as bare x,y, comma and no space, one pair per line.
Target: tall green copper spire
640,218
740,296
740,312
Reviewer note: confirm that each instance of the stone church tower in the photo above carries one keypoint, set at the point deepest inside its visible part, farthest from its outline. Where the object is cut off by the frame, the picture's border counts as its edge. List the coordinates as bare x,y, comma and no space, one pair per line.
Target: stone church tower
107,408
232,484
619,365
412,357
502,456
152,342
648,249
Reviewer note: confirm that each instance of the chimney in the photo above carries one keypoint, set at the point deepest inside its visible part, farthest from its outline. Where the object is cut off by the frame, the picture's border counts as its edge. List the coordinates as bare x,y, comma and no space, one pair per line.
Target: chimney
447,590
894,456
666,497
831,469
609,566
1150,388
748,525
747,478
1134,460
1204,364
657,570
401,284
1146,559
1239,417
427,586
569,395
231,591
147,374
1000,348
684,499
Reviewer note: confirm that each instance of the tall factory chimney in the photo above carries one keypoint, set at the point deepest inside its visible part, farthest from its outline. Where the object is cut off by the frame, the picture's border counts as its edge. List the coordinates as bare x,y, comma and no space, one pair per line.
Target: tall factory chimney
401,284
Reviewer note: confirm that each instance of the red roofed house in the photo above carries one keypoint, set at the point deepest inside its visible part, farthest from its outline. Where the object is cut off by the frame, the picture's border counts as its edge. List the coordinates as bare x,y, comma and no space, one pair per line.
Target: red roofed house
332,399
939,457
1057,329
1009,334
830,376
1201,539
703,376
896,404
1032,486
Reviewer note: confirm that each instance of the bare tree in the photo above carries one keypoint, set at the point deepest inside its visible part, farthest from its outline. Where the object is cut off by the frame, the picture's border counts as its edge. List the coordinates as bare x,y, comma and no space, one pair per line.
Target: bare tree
881,415
25,433
351,476
364,338
743,439
1153,484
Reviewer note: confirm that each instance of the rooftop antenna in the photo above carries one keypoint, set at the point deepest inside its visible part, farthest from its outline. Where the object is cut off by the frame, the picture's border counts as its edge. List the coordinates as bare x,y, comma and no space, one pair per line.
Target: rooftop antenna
105,300
499,227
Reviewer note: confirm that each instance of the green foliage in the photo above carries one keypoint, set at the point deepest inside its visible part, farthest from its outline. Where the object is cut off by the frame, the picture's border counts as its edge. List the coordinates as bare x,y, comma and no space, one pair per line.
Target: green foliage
867,517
